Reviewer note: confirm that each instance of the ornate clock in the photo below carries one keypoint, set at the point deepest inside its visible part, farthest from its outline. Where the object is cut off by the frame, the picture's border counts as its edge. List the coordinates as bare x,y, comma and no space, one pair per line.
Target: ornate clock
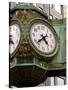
14,37
43,38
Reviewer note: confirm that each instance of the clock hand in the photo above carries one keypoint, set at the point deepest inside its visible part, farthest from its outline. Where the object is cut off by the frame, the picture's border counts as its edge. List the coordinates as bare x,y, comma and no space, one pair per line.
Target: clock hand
10,40
46,41
44,38
40,40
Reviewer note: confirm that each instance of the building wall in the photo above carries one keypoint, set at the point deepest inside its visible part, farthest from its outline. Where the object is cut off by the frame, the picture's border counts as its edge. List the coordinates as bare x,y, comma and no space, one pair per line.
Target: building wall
50,11
12,5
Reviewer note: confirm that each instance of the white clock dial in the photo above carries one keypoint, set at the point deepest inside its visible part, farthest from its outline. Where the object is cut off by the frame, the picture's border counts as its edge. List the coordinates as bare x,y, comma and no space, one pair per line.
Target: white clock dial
14,37
43,38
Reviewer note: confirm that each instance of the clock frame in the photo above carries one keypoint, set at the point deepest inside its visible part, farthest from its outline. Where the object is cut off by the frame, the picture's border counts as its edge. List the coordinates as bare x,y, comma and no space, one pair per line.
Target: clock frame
35,49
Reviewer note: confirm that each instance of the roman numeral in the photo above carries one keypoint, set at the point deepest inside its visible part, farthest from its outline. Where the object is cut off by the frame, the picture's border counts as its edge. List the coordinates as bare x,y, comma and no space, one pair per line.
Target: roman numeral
38,27
42,27
43,48
35,29
33,34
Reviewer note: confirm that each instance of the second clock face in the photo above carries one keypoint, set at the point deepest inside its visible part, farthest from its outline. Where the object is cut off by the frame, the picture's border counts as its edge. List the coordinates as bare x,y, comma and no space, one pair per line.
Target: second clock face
43,38
14,37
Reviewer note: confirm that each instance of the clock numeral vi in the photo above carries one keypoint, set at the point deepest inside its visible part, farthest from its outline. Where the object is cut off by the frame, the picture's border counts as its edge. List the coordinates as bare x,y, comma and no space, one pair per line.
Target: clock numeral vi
43,48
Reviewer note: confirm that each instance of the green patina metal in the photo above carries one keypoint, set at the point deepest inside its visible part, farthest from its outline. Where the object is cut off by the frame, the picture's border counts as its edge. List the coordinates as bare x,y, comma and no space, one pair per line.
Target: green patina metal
58,62
29,7
60,28
58,25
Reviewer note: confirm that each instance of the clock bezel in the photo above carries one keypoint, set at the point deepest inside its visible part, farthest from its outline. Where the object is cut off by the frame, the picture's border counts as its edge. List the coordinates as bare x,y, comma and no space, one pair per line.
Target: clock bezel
19,24
46,23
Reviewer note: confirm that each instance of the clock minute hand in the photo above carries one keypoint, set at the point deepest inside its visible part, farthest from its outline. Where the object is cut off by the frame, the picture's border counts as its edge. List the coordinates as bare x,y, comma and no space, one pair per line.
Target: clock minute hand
46,41
44,38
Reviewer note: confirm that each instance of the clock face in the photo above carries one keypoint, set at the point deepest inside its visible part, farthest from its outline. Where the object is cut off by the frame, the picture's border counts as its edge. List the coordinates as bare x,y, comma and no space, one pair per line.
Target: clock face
43,38
14,37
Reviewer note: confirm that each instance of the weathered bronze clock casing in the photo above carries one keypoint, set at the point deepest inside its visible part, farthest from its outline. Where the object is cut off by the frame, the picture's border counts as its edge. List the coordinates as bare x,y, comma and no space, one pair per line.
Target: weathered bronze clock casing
27,18
28,67
24,16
